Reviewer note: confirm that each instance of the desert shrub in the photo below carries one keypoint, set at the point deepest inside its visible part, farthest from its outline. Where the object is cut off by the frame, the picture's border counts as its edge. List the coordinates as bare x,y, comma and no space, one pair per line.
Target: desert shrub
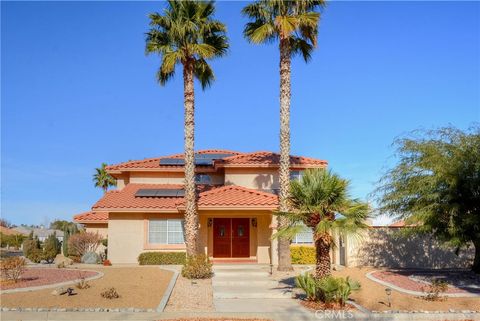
12,268
110,294
81,243
51,248
162,258
302,254
197,267
433,291
83,283
328,289
32,250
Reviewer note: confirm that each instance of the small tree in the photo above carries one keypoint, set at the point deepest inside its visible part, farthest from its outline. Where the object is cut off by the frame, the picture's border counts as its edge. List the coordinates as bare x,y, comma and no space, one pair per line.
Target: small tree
12,268
51,247
81,243
435,186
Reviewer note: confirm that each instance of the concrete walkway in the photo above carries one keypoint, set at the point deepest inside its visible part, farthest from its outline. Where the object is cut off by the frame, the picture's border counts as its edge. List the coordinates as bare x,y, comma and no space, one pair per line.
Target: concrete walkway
251,289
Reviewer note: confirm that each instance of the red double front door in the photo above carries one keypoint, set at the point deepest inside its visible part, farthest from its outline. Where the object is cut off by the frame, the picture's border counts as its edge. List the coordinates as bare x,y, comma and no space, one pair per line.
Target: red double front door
231,237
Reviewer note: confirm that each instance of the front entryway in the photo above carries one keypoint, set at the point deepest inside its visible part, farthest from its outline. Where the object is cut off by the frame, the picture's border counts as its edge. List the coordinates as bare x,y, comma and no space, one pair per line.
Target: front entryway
231,237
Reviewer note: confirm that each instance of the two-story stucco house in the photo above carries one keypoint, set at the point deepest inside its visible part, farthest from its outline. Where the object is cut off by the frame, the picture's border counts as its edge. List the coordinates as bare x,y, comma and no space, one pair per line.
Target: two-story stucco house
236,199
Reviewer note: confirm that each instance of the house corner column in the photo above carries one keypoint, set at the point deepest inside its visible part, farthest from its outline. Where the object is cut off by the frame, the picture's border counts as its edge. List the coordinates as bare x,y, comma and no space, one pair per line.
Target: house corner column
273,243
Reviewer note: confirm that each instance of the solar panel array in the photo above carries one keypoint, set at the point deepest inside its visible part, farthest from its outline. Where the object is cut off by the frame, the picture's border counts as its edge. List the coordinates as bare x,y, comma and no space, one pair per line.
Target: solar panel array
146,192
200,159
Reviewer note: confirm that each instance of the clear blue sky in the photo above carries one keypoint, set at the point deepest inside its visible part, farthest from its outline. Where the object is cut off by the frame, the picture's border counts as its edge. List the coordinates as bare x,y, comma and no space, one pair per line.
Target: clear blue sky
77,90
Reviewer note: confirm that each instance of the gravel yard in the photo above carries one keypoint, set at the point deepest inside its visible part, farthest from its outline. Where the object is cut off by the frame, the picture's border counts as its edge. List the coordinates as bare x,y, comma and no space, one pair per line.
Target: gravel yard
372,296
139,287
191,295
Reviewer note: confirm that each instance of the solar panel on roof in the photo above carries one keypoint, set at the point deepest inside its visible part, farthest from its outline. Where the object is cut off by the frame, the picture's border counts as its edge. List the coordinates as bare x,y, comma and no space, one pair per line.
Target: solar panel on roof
172,161
155,192
200,159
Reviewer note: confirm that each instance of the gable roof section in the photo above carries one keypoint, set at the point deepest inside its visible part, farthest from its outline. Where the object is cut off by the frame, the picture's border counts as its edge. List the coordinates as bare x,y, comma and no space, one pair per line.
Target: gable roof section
269,159
154,163
224,197
91,217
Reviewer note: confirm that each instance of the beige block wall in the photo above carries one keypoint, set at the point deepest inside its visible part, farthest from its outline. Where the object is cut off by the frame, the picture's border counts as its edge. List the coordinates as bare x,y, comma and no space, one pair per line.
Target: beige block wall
259,236
263,178
386,247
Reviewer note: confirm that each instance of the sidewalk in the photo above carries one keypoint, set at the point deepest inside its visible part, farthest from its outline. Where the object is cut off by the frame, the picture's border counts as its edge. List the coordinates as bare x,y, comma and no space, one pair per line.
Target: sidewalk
309,316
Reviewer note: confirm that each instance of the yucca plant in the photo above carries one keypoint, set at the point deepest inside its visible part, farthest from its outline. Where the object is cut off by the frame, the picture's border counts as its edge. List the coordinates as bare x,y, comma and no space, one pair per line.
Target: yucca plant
308,284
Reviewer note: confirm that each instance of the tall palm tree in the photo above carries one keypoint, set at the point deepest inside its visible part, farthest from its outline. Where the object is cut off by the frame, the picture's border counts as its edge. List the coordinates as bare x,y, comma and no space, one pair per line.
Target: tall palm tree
320,200
187,35
295,24
102,179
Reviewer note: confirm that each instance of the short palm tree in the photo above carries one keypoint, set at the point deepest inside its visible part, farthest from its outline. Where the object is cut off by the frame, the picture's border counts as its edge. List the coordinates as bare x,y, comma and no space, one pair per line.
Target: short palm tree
295,24
320,200
186,34
102,179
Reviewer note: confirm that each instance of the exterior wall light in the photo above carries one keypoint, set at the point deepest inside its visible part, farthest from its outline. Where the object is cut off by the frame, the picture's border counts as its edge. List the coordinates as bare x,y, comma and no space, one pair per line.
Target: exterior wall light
210,222
254,222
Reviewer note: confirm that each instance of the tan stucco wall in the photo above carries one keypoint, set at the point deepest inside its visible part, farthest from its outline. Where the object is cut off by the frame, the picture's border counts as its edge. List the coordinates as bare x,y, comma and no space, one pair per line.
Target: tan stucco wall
259,236
101,229
260,178
127,234
386,247
167,178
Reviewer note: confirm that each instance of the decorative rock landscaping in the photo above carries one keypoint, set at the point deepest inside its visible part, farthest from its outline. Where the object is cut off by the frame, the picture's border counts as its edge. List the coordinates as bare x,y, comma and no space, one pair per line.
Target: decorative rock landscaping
43,277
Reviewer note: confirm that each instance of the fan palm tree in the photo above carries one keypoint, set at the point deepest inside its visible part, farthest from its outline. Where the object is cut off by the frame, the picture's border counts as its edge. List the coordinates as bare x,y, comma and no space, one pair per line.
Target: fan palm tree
186,34
102,179
295,25
320,200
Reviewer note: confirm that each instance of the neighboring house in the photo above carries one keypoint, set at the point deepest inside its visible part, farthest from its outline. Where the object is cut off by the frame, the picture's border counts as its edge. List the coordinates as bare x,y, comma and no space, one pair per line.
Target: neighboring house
236,201
41,233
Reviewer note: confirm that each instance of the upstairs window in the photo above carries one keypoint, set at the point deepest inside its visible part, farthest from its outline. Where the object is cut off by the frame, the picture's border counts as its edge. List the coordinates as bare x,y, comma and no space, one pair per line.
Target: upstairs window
166,231
296,175
203,179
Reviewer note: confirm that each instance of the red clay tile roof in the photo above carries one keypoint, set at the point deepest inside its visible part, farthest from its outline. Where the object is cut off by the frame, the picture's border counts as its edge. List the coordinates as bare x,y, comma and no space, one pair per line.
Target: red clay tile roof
255,159
224,196
269,159
236,196
91,217
152,163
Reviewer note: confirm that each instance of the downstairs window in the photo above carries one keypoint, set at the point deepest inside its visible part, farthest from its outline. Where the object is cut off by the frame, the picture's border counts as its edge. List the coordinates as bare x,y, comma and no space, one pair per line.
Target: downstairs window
166,231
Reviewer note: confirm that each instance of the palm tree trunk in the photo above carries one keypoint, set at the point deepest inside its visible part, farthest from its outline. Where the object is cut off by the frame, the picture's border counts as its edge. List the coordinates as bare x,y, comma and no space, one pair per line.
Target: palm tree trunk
476,260
284,259
322,256
191,217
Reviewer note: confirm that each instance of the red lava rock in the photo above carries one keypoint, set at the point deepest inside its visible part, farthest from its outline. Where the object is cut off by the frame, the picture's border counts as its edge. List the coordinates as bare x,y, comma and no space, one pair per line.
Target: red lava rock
404,282
45,276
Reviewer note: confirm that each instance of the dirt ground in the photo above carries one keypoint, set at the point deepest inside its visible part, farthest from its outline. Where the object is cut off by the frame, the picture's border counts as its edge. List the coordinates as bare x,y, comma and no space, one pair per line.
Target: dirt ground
191,295
139,287
372,296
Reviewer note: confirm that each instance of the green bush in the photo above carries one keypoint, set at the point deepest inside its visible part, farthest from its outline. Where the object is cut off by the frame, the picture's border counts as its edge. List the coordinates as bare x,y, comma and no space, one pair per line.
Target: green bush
197,267
51,248
302,254
328,289
32,250
161,258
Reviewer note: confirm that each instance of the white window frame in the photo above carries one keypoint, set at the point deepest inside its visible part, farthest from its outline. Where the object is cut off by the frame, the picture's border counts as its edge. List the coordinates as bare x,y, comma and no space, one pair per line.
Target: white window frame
296,239
167,231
